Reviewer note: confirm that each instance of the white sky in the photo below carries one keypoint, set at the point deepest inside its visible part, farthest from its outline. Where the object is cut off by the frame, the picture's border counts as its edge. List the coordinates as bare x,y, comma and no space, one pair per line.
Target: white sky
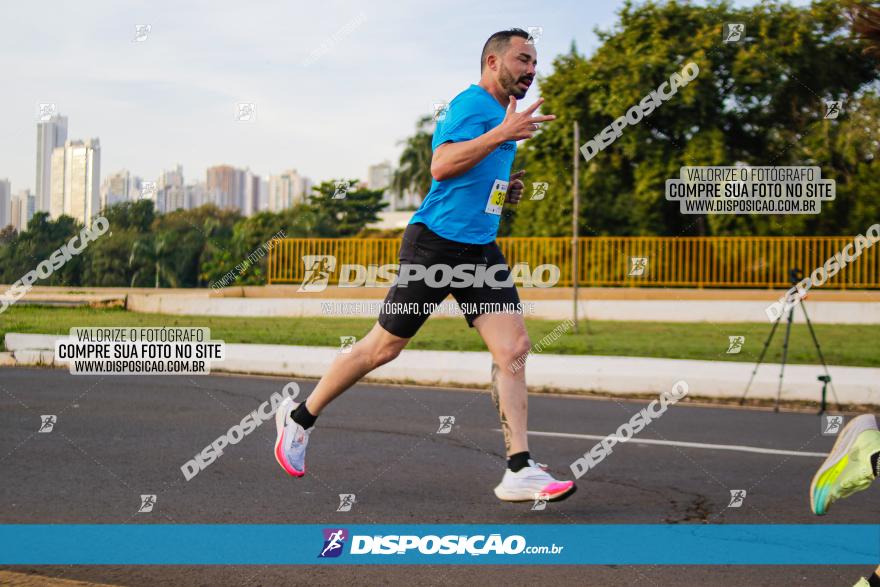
171,99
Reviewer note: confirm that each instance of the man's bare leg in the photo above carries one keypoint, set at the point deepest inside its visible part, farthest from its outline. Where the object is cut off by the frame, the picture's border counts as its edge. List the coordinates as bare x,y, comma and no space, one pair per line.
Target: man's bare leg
508,340
294,423
372,351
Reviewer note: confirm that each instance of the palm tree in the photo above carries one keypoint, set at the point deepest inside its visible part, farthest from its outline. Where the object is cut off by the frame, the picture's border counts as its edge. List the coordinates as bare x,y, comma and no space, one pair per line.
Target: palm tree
414,170
156,252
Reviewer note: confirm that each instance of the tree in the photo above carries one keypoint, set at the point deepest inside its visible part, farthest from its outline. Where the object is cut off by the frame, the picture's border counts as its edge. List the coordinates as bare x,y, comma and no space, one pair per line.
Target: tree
153,256
8,234
345,216
43,237
414,170
756,101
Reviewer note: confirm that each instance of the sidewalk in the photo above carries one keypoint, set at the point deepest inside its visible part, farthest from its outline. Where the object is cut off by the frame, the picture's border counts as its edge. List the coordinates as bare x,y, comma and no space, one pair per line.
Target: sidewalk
601,303
564,373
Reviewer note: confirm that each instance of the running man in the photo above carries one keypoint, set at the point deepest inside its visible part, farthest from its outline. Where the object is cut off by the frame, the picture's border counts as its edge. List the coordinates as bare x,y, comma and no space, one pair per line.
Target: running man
473,149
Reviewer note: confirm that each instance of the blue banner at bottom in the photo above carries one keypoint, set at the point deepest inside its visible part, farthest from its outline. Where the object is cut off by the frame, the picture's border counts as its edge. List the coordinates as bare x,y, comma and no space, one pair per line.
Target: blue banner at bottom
569,544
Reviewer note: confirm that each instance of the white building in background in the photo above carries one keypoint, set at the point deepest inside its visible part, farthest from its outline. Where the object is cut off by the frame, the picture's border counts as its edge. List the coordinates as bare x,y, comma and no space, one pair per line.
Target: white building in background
5,203
287,190
379,176
76,179
264,196
170,191
195,194
51,134
251,193
15,213
23,209
120,187
226,187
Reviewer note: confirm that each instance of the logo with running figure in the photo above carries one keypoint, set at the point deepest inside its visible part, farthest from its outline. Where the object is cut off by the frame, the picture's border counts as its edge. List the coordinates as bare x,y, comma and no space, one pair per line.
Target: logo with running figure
343,186
245,112
46,111
535,34
47,423
733,32
318,270
735,344
440,109
540,502
832,109
831,425
737,497
346,501
346,343
334,542
148,502
446,423
539,190
637,266
141,32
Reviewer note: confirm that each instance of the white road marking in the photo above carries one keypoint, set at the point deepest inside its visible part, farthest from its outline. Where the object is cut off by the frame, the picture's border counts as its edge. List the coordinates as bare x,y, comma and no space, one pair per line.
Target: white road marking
733,447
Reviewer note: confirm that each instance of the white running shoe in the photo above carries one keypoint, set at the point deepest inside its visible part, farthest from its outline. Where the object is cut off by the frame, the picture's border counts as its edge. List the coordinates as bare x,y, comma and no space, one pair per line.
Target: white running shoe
290,446
532,482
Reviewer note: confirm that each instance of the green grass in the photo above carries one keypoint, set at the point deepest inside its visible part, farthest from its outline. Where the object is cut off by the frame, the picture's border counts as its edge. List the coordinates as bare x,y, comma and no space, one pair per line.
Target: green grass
842,344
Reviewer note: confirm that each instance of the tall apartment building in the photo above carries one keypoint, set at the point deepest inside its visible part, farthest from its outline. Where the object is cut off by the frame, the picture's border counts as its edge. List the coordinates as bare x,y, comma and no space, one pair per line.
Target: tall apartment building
379,176
22,210
224,185
288,189
51,134
251,195
194,195
120,187
264,195
5,203
75,181
171,192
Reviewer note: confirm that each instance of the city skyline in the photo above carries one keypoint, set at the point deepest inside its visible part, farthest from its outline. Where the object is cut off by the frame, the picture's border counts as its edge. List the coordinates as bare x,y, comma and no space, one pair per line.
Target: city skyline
69,174
172,84
321,92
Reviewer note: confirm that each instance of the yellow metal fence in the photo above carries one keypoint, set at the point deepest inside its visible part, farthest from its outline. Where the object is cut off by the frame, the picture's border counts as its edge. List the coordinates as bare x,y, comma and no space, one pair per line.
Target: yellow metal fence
616,261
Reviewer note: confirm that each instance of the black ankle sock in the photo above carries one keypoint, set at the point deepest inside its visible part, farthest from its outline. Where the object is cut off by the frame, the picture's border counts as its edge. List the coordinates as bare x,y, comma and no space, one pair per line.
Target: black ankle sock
875,465
302,416
518,461
874,580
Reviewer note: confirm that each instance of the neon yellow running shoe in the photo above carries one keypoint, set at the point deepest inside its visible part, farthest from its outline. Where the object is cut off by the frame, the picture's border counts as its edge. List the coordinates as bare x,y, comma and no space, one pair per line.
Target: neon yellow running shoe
851,466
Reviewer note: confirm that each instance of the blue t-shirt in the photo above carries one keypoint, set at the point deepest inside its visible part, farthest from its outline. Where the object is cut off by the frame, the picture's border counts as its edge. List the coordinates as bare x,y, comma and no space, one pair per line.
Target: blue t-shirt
456,208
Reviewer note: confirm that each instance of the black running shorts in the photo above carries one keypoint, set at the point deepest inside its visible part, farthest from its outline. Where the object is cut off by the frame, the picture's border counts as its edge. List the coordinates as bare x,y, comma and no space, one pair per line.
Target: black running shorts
407,307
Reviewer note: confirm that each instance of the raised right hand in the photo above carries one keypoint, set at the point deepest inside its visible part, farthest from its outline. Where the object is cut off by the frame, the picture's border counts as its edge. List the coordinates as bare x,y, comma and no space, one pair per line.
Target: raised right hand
517,126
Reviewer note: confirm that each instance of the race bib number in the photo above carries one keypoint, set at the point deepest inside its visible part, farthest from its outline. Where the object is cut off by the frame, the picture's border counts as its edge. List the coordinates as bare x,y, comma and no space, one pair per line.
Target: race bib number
496,197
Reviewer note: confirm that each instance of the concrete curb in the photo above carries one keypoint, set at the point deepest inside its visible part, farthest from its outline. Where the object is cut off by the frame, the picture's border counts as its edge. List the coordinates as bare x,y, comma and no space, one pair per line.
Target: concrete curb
582,373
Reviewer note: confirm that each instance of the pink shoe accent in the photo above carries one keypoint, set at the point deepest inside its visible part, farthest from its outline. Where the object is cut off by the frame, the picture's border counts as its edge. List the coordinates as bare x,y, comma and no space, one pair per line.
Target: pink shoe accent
557,487
282,460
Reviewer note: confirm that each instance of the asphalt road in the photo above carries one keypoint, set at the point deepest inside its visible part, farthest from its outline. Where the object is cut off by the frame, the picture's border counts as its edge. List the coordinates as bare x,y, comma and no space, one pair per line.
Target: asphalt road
118,437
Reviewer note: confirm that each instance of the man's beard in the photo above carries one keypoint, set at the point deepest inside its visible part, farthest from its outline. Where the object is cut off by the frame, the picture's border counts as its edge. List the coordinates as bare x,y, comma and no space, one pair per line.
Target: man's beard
508,82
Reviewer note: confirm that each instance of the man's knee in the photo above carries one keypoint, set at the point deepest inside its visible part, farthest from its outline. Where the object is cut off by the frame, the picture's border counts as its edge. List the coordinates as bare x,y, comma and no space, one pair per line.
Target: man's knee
512,351
384,352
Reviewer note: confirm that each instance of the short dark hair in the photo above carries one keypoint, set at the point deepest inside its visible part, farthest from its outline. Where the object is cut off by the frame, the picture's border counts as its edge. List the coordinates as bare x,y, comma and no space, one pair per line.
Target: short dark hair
498,42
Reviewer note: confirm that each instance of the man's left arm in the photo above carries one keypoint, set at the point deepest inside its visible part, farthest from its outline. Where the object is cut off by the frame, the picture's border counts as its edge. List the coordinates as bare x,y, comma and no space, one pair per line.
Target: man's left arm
515,187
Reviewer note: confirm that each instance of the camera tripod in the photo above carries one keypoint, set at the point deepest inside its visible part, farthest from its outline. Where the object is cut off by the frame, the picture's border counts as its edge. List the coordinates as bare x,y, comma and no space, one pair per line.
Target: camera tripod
795,276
